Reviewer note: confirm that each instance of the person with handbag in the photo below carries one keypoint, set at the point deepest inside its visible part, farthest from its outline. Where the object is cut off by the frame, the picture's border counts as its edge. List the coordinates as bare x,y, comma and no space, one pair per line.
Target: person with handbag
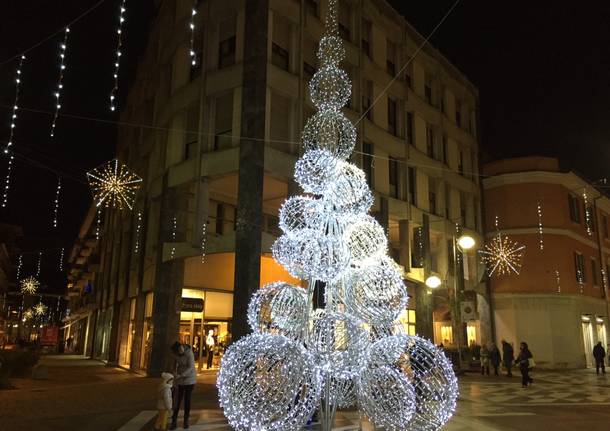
525,360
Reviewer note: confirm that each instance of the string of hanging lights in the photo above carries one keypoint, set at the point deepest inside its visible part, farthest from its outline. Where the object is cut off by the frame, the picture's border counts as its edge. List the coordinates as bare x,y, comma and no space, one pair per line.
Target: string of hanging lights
56,203
192,54
62,67
119,53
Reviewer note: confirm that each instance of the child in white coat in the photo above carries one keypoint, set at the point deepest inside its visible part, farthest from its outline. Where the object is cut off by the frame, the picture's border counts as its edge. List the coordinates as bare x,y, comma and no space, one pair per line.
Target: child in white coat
164,401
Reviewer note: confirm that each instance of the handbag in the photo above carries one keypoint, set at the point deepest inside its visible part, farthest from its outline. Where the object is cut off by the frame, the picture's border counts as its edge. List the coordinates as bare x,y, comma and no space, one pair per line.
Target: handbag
531,363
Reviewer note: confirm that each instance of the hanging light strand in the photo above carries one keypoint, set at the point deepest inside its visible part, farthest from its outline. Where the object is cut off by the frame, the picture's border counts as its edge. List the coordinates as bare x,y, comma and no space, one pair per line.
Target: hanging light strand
117,61
174,227
587,212
540,227
38,265
19,266
204,234
98,222
62,67
9,167
61,260
138,229
192,53
56,203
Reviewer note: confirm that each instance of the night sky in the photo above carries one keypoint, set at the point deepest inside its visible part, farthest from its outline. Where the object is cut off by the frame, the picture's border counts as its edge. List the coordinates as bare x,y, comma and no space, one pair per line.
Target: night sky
542,69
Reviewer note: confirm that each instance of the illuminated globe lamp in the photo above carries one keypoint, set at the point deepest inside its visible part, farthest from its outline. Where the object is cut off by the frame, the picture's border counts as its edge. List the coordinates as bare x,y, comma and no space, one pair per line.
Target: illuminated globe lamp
466,242
433,281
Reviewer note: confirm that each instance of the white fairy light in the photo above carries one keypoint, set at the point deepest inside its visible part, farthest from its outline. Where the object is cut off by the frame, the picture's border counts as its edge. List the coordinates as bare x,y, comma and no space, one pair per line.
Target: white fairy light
136,248
38,265
192,54
300,358
98,222
61,260
540,229
7,149
204,235
119,53
19,266
174,227
588,217
62,67
558,281
56,203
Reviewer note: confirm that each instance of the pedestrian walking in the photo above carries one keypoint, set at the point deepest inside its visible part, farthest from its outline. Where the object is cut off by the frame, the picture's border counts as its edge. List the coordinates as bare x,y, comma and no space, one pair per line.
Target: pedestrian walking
599,353
525,362
494,358
185,379
508,357
484,355
164,401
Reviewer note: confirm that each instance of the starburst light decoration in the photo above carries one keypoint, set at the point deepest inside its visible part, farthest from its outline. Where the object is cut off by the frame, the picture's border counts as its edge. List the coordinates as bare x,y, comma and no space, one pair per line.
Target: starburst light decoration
29,286
40,309
113,185
28,314
502,255
353,350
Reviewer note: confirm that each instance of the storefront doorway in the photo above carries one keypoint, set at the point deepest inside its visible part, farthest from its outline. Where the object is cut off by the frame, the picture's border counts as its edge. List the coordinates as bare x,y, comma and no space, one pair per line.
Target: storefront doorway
587,334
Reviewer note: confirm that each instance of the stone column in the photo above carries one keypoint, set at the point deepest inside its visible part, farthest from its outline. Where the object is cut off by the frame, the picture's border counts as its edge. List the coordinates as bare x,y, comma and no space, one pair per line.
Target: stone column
251,163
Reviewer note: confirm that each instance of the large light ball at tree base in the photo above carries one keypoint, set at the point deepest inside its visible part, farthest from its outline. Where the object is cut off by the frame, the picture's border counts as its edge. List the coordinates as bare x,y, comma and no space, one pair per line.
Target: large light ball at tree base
330,131
268,382
430,373
349,193
330,88
365,239
376,293
339,344
315,170
279,308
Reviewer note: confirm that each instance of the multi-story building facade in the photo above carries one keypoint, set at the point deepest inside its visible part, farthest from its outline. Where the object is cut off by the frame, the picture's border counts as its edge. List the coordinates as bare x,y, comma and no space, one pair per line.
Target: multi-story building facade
558,303
216,142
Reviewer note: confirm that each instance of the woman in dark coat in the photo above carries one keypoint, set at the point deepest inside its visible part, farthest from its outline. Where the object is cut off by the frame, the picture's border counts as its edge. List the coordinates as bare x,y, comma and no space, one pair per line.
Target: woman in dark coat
508,356
523,360
494,358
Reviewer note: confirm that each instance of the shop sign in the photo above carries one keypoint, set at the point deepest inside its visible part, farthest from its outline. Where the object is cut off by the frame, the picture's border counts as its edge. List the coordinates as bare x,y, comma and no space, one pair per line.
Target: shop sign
193,305
49,335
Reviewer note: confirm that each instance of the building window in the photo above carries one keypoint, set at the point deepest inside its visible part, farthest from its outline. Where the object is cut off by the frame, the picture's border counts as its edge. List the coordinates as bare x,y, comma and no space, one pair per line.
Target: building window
605,225
432,195
428,89
191,136
407,318
447,334
392,117
367,162
226,52
198,50
579,266
223,122
412,178
445,158
345,19
574,208
458,113
280,57
313,7
410,130
430,141
366,37
367,98
390,62
463,213
443,100
417,248
220,214
393,174
281,43
447,202
594,273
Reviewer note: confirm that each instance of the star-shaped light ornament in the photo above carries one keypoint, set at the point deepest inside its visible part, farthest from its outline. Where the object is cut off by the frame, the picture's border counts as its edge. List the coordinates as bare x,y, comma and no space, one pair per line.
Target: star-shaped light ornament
29,286
113,185
40,309
28,314
502,255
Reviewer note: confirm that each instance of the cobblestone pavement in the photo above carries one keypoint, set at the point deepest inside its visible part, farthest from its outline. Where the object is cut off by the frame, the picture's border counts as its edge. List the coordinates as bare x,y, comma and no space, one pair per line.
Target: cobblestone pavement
86,395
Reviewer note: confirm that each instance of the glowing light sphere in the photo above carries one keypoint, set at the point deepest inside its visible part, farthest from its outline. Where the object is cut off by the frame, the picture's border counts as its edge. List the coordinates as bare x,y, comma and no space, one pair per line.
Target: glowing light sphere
40,309
315,170
502,255
343,392
331,50
365,239
339,344
349,193
330,88
278,308
330,131
29,286
113,185
268,382
299,212
376,293
427,369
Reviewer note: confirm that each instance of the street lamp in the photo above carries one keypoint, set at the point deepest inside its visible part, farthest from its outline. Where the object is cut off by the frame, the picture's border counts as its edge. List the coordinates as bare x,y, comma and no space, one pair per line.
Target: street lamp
433,281
463,243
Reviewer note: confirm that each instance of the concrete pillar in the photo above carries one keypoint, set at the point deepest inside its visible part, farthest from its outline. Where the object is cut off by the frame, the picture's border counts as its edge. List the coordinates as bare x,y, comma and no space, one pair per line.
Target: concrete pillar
249,216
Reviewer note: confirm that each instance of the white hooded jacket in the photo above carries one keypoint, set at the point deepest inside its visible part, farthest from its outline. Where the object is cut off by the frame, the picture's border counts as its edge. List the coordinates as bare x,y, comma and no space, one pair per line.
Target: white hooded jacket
164,400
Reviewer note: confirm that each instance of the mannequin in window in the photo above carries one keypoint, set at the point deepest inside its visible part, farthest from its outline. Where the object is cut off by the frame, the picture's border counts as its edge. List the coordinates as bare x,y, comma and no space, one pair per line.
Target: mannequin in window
209,344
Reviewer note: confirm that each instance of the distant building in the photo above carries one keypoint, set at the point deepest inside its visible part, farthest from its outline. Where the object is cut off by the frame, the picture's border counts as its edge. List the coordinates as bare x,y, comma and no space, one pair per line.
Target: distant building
558,304
216,143
9,236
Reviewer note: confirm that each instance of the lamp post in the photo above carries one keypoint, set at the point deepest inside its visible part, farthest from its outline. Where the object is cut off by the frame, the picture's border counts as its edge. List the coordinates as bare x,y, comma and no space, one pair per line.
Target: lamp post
462,244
